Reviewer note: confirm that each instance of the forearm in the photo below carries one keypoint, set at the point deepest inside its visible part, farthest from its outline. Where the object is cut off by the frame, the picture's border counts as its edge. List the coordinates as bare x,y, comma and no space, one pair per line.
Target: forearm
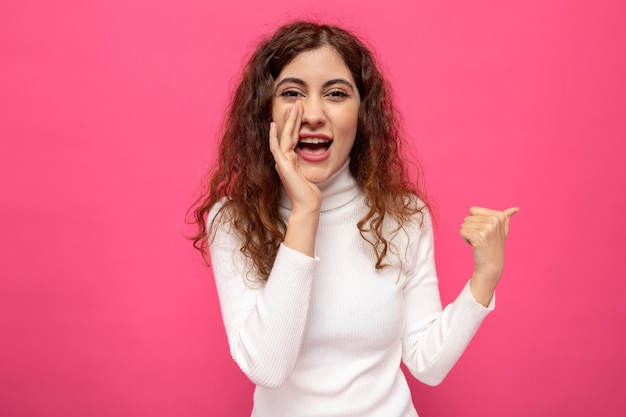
301,231
265,323
436,350
267,342
483,287
434,339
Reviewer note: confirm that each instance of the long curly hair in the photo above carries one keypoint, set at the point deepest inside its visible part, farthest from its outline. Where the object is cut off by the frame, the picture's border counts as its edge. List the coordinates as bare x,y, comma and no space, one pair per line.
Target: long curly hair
244,177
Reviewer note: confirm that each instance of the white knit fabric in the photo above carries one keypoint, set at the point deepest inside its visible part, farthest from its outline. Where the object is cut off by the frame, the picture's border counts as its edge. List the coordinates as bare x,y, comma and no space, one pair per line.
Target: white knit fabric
324,336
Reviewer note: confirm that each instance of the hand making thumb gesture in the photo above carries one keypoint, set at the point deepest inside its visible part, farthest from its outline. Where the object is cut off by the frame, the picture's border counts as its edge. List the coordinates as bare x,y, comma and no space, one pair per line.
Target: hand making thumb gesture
486,231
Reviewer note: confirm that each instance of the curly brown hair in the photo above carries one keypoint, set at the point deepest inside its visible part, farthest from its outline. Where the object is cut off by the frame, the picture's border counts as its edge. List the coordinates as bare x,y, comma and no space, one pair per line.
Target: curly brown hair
245,179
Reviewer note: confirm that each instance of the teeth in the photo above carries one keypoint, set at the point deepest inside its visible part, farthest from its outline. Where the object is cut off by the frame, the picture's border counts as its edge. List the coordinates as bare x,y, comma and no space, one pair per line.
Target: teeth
314,141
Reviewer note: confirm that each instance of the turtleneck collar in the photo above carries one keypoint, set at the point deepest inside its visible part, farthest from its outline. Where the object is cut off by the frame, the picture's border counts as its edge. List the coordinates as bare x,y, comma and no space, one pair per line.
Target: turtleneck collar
337,191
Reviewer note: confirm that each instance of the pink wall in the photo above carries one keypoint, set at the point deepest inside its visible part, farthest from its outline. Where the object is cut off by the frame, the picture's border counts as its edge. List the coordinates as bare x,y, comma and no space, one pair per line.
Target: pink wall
108,111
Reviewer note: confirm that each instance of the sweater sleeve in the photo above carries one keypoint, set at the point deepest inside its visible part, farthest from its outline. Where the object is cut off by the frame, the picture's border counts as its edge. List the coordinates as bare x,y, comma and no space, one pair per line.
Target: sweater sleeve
264,322
435,338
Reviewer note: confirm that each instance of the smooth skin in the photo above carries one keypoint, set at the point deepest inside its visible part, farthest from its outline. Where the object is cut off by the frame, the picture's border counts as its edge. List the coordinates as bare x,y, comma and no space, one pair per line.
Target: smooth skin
314,94
305,197
486,231
320,81
316,108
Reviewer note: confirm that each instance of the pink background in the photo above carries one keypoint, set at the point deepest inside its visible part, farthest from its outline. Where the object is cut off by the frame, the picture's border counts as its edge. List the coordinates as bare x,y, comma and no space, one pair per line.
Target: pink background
108,111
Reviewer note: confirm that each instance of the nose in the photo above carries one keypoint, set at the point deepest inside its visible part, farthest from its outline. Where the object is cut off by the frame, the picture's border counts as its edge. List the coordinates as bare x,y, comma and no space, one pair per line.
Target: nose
313,112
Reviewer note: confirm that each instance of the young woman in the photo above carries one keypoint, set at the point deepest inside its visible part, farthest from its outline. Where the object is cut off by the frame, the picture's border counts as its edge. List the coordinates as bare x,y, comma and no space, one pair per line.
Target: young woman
321,246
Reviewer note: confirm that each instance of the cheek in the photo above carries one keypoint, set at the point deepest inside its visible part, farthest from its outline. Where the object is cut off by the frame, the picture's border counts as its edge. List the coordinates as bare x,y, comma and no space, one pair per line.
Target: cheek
275,114
350,120
279,115
278,109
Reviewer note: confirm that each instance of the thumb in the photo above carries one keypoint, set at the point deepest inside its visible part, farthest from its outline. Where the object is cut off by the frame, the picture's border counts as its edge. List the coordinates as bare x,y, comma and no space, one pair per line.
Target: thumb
508,213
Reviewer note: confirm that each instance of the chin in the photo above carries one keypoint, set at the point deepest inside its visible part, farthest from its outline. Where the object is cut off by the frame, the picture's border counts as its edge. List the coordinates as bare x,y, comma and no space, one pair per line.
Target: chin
316,176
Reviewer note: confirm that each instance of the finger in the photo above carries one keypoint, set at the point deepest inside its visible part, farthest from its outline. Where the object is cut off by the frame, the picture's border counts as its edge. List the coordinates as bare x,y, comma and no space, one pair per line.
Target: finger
488,216
477,219
289,135
508,213
292,133
482,211
273,136
295,135
286,132
469,236
476,230
287,113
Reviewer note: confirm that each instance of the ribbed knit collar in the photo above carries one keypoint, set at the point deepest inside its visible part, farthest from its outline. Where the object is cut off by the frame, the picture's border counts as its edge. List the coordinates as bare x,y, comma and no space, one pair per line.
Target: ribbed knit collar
337,191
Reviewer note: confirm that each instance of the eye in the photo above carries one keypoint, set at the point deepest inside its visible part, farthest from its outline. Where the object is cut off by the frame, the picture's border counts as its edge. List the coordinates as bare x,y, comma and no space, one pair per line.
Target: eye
337,94
291,94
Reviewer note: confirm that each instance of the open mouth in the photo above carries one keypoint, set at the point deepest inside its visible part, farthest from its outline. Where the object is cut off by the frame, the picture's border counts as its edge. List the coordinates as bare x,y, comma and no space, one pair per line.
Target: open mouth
314,146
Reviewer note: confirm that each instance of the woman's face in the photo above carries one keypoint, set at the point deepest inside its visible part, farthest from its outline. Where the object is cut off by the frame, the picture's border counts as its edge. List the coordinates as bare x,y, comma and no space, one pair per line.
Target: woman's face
320,79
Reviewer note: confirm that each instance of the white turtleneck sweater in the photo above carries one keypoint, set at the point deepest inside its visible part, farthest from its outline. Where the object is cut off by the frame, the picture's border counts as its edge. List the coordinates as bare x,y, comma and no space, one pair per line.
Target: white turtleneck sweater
324,336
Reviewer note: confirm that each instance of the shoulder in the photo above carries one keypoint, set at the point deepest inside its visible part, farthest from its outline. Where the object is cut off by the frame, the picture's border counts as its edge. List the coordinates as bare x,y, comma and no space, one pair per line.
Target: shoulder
406,230
219,217
416,214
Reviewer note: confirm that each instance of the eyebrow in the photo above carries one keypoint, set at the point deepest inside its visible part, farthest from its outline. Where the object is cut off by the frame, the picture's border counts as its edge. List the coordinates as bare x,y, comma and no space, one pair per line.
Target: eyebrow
304,84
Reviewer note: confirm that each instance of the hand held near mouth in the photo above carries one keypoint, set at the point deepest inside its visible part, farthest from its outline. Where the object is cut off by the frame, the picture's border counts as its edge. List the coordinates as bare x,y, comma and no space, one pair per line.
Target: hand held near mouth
305,197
